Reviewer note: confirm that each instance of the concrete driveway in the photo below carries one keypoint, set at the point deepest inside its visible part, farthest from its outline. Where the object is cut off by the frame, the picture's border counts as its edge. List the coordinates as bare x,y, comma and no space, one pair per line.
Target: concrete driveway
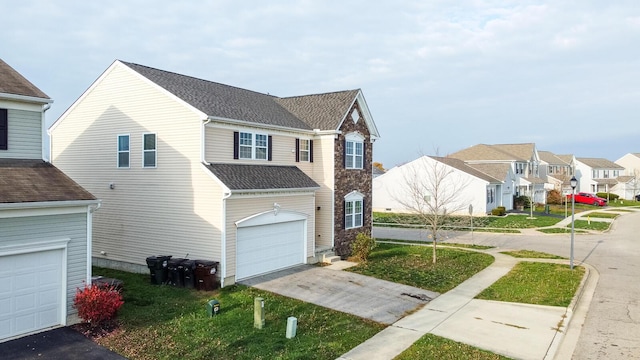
378,300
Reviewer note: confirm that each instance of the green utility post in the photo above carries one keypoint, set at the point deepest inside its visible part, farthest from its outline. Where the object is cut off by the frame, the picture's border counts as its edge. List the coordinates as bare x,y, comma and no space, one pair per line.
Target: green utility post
258,313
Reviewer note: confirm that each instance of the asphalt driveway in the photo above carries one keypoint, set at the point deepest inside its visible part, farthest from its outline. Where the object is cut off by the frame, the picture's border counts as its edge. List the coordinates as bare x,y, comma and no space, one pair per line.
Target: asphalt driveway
378,300
60,343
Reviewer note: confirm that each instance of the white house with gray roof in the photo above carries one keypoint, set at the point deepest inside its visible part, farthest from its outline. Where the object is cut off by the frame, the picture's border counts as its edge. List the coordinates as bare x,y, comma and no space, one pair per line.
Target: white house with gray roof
597,174
190,167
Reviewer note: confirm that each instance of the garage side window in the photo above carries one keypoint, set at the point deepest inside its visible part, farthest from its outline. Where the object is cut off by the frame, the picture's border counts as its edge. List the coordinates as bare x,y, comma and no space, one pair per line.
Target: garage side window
149,142
353,210
123,151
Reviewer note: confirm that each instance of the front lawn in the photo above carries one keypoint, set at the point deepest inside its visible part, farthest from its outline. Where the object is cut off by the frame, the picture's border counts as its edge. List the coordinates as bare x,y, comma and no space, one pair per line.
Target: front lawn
530,254
463,223
590,225
162,322
412,265
435,347
536,283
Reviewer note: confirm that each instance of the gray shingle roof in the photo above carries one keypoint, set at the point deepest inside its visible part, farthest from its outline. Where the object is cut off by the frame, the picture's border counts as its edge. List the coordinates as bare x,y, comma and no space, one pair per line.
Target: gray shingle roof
261,177
498,152
600,163
37,181
319,111
11,82
497,171
551,158
460,165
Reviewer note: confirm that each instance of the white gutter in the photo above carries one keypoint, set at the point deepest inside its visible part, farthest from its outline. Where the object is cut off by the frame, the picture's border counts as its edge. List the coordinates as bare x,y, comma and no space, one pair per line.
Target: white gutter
45,155
203,142
267,126
48,204
25,98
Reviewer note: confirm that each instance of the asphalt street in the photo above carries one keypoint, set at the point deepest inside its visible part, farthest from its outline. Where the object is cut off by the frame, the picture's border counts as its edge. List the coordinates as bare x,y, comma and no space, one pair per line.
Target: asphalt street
612,327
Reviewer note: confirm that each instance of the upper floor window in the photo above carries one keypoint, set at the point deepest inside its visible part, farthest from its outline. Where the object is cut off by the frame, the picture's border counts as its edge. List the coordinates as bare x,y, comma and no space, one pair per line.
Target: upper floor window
123,151
594,174
605,174
304,150
4,129
616,173
519,168
251,146
354,151
149,150
353,210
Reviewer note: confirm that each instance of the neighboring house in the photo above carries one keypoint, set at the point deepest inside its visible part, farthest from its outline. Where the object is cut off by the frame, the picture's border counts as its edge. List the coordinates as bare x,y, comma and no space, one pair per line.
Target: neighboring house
629,184
193,168
523,160
460,185
557,169
45,219
376,171
597,174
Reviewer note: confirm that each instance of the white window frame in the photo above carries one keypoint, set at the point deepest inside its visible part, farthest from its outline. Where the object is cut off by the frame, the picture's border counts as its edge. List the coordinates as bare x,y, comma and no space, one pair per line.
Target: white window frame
351,217
304,150
253,145
353,141
128,151
149,151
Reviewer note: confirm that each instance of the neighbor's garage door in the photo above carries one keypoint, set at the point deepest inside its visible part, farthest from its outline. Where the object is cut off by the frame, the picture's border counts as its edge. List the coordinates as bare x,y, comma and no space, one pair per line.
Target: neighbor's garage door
30,292
266,248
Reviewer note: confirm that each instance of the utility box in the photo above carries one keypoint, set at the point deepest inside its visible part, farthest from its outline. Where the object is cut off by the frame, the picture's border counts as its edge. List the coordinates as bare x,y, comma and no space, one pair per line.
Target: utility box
213,307
258,313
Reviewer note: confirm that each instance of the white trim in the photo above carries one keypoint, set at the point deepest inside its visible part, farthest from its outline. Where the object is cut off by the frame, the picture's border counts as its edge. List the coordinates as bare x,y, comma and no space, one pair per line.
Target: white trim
271,217
25,98
354,195
354,138
226,123
276,192
118,151
254,145
13,210
155,150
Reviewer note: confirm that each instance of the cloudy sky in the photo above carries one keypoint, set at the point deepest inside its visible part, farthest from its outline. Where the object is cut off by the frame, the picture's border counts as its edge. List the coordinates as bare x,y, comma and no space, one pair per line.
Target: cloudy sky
438,76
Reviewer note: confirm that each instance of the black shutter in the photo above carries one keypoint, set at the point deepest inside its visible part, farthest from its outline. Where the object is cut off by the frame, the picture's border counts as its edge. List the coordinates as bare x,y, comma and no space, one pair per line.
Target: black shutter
310,150
297,150
269,146
236,145
4,129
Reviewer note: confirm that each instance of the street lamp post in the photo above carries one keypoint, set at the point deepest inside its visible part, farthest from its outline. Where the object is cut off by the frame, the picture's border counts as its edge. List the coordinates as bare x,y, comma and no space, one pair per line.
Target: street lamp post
574,183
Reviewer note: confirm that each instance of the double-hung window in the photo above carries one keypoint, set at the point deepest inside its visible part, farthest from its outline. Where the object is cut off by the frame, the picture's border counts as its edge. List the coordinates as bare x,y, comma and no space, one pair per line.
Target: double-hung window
149,150
353,210
304,150
354,151
123,151
252,146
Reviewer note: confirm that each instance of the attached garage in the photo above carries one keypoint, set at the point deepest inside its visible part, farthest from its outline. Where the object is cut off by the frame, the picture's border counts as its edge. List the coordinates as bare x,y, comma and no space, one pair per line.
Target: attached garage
270,241
32,292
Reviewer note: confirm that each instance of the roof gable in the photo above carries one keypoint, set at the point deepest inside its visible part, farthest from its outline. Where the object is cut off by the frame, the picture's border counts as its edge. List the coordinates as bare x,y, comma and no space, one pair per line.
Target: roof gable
334,107
12,82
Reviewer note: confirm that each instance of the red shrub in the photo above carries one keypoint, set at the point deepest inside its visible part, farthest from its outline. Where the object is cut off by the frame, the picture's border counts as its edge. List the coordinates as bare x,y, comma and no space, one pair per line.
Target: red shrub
97,304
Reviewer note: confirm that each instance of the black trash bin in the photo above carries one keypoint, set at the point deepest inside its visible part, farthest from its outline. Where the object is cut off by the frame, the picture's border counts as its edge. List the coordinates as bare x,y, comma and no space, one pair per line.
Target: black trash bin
205,272
188,270
158,268
176,272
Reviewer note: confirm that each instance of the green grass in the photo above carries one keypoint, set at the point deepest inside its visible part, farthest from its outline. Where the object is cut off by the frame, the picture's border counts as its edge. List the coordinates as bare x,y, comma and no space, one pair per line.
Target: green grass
536,283
412,265
419,242
590,225
603,215
529,254
434,347
561,231
162,322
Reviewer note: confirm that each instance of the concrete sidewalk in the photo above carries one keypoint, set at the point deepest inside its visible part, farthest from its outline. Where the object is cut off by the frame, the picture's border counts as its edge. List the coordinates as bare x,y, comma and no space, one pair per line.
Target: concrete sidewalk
519,331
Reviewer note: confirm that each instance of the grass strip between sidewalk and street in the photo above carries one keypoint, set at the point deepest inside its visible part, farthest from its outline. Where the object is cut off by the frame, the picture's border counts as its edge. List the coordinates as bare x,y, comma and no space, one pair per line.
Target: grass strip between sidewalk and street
435,347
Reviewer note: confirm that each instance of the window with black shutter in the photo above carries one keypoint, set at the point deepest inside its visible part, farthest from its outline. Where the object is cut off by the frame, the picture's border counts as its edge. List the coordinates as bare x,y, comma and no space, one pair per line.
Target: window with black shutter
4,129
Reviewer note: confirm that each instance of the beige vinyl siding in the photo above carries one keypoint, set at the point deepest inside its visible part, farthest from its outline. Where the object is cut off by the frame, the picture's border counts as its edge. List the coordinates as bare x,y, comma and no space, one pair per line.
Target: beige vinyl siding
25,135
324,175
241,207
32,229
174,209
219,148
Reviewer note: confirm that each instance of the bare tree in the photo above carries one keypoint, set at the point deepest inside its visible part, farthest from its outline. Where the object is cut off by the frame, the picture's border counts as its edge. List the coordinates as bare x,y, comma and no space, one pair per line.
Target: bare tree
433,191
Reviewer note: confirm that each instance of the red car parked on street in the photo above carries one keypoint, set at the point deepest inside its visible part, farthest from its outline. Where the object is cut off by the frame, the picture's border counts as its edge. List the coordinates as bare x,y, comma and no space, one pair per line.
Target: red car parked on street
587,198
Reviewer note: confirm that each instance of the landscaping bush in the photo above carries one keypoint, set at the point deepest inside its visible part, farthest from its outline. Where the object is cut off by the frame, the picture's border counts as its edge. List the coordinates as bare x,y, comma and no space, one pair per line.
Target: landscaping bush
610,196
97,304
362,246
522,200
554,197
499,211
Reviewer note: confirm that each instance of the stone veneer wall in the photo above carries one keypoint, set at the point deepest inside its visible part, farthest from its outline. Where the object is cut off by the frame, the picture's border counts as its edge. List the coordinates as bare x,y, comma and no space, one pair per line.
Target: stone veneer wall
348,180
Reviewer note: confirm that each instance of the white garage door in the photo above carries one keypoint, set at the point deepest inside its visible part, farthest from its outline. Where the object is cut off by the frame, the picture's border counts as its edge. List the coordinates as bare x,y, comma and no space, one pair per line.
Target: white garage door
265,248
30,292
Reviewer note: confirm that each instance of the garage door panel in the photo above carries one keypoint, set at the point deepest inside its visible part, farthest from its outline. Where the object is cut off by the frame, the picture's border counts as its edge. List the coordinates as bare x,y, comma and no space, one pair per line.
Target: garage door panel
30,292
265,248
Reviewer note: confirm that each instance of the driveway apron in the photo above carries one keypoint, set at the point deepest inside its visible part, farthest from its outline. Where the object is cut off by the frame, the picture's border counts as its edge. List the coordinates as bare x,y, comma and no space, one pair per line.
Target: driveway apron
378,300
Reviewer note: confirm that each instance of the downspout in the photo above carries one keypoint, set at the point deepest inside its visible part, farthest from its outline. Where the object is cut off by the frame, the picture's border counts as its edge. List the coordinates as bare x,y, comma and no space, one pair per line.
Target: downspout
90,209
203,142
46,155
223,240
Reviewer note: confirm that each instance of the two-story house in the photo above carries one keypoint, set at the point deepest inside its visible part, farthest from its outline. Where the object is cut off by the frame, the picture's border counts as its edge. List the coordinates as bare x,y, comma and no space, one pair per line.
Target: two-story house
628,186
193,168
597,174
523,160
557,169
45,219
